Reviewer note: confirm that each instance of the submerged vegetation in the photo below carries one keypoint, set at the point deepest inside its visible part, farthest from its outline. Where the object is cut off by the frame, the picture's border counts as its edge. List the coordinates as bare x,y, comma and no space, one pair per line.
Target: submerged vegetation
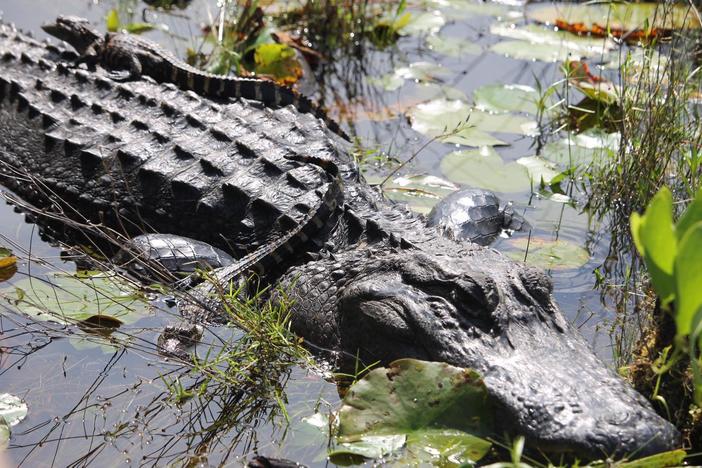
617,121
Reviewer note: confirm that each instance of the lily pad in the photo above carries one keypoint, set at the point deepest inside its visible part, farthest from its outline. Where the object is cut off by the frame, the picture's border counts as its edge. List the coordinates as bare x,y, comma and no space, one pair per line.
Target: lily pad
540,170
68,299
659,460
433,408
533,42
420,192
12,409
590,147
549,254
456,122
484,168
453,46
506,98
420,72
477,8
615,18
423,23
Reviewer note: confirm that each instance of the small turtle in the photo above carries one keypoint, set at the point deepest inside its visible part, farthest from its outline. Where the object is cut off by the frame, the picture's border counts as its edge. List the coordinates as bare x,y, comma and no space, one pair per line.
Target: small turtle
175,340
176,254
475,215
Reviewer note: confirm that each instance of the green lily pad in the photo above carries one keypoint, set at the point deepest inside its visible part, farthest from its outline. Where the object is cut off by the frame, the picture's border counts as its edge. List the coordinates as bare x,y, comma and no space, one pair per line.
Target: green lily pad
589,147
69,299
506,98
423,23
453,46
431,408
539,170
456,122
279,61
484,168
616,16
478,8
421,72
420,192
538,43
12,409
549,254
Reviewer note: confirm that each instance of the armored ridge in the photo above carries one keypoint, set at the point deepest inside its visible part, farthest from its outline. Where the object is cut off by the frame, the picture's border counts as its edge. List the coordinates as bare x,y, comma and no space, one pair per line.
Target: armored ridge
139,56
140,156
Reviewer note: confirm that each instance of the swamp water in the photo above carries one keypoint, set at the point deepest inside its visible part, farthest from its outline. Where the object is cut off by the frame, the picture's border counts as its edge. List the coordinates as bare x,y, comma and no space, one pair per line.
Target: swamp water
109,401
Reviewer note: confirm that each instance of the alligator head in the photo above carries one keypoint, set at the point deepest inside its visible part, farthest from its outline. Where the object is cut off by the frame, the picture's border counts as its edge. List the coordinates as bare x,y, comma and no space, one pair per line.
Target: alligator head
483,311
76,31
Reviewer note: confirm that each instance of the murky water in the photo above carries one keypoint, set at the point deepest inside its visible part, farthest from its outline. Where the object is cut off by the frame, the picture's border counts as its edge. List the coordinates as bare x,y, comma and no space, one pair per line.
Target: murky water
93,403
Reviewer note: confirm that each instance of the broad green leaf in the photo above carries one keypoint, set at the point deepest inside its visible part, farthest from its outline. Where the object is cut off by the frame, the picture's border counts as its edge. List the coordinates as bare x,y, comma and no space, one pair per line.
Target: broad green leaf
478,8
688,278
8,266
589,147
112,20
506,98
659,243
437,407
539,169
139,28
70,299
369,446
12,409
558,254
659,460
420,72
616,16
5,252
420,192
691,216
456,122
453,46
484,168
423,23
533,42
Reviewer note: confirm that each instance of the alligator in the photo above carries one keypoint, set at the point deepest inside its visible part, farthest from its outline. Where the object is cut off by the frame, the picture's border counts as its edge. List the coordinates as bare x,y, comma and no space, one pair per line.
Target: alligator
369,280
139,56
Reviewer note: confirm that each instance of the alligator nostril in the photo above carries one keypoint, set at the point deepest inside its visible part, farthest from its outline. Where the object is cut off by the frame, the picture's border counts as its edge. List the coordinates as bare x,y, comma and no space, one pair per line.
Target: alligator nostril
537,283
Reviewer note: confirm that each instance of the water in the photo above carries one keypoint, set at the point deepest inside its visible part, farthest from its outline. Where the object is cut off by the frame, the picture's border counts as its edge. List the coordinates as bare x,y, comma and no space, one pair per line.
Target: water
92,402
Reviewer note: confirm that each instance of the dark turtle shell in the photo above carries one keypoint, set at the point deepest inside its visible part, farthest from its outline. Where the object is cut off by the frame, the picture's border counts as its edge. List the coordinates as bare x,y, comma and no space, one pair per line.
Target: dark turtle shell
474,215
177,254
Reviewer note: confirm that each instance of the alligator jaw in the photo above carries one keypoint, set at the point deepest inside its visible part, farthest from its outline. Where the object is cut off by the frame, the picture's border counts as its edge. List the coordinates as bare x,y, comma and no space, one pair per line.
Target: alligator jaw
496,316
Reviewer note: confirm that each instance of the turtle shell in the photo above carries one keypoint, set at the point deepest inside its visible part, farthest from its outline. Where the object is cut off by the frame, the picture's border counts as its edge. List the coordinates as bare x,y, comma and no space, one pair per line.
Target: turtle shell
469,214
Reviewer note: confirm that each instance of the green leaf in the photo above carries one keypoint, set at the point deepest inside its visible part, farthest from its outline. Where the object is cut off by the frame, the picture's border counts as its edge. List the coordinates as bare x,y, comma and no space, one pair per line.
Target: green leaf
453,46
540,171
659,460
691,215
12,409
463,125
589,147
139,28
688,278
369,446
420,192
420,72
279,61
484,168
635,223
4,434
69,299
423,23
658,239
549,254
616,16
112,20
436,408
506,98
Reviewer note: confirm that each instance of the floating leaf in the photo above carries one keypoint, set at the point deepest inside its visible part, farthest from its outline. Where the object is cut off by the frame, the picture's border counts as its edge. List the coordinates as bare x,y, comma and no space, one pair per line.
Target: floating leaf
69,299
422,72
279,61
480,8
420,192
453,46
506,98
540,170
659,460
432,407
12,409
369,446
423,23
8,265
549,254
538,43
484,168
460,124
592,146
617,19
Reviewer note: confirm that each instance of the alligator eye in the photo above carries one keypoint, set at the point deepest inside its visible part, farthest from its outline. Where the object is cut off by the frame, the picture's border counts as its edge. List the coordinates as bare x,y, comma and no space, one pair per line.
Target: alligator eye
537,283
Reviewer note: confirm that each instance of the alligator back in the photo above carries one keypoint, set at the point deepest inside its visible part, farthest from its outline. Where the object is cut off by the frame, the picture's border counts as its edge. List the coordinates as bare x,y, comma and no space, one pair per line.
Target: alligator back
144,157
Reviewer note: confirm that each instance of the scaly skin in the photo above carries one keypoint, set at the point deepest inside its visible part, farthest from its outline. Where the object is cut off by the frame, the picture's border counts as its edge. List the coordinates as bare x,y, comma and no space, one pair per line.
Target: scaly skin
140,156
139,56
